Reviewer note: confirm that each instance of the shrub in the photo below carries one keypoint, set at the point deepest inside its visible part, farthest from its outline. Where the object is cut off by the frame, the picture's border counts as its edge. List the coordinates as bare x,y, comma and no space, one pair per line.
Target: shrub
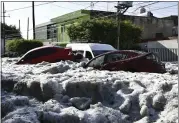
21,46
62,44
105,30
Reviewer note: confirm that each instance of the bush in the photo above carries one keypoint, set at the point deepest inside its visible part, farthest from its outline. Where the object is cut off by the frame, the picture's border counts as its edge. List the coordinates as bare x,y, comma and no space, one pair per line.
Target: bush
21,46
62,44
105,30
10,54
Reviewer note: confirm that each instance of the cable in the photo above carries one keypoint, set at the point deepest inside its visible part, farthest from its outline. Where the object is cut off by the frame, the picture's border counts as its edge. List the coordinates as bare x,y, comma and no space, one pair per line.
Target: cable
164,7
145,5
83,4
63,7
27,7
90,5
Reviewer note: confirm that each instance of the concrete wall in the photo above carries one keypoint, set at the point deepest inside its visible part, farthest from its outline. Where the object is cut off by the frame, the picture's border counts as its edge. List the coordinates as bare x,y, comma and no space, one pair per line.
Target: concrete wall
151,26
161,44
41,33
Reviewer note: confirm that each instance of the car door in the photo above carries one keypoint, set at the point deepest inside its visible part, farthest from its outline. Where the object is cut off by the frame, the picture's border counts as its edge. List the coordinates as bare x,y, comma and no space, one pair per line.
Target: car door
29,57
46,54
115,61
97,62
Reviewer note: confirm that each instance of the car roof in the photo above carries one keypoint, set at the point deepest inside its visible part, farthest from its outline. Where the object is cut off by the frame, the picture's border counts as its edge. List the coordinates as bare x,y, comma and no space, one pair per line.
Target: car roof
42,47
120,51
92,46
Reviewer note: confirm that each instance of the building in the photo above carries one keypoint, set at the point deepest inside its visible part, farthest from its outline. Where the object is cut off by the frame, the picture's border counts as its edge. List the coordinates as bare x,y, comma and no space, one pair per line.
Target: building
46,32
56,29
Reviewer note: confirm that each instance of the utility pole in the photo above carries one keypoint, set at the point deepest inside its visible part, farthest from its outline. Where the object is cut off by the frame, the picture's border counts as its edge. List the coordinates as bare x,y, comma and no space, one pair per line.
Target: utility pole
4,34
33,19
92,5
121,9
19,25
118,24
27,28
107,6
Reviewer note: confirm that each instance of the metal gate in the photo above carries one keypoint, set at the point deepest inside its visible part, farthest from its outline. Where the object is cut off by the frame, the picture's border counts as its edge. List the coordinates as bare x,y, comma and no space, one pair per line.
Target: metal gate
165,54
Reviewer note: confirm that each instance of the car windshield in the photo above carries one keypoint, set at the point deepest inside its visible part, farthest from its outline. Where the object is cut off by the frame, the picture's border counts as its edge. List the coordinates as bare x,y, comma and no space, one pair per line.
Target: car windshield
99,52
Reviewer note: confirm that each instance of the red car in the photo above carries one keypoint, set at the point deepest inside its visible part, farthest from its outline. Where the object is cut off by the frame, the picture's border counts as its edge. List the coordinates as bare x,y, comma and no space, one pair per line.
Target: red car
46,53
127,60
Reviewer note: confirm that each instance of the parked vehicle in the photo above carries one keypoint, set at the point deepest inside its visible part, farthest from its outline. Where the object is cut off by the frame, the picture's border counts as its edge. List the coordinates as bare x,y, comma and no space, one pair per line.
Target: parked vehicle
127,60
46,53
90,50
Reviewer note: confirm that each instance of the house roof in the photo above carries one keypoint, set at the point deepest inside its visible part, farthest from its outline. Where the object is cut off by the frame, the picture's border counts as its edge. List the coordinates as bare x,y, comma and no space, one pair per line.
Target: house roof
43,24
81,13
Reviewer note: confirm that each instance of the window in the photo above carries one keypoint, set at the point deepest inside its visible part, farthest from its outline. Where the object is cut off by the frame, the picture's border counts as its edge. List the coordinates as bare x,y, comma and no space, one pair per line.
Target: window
98,52
78,51
51,31
39,53
88,55
29,56
153,57
115,57
62,28
97,62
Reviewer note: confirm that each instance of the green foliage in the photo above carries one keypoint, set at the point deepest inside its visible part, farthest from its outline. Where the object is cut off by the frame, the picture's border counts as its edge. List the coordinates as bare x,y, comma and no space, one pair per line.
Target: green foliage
22,46
105,30
11,31
62,44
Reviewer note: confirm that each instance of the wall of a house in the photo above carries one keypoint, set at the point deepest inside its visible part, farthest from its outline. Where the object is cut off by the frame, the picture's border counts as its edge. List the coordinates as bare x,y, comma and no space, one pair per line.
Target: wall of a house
151,26
63,36
64,21
41,33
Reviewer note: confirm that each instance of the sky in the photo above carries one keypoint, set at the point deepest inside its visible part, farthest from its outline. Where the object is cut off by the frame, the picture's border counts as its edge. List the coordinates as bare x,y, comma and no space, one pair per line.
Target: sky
49,10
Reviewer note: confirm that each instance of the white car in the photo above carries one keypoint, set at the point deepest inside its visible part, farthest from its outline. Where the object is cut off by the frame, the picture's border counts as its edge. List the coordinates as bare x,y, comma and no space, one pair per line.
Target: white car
90,50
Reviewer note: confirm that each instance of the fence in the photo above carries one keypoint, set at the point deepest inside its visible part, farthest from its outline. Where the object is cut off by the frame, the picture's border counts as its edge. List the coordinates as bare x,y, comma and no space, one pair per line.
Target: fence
165,54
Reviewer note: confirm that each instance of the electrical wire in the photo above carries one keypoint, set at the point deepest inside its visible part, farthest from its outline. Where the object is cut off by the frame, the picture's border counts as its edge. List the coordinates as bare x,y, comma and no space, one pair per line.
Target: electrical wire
90,5
145,5
27,7
164,7
62,7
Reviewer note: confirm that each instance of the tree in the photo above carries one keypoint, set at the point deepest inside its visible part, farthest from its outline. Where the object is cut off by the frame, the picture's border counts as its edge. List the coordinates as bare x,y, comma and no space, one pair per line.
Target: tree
11,31
105,30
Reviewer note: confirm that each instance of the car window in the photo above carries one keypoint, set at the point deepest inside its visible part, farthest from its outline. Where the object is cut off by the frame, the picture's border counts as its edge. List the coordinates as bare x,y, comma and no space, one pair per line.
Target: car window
97,61
115,57
89,55
98,52
38,53
153,57
29,56
80,51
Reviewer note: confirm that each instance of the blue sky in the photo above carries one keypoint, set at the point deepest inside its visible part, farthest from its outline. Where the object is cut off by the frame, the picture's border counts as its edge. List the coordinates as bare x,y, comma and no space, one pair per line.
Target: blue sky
44,13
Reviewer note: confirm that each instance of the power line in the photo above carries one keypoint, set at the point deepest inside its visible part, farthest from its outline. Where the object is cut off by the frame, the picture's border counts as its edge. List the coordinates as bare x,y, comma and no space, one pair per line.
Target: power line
164,7
27,7
145,6
141,3
90,5
62,7
83,4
